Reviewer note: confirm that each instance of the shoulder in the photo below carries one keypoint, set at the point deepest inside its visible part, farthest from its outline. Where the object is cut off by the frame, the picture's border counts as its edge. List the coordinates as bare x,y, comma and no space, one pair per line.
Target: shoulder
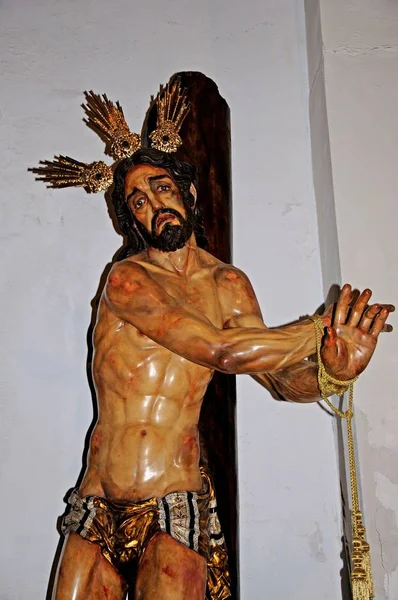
229,276
236,295
125,269
126,277
222,272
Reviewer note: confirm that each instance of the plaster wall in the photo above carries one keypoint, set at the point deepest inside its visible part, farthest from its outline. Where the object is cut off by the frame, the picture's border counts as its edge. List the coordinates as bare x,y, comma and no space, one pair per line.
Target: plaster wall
320,145
360,48
55,244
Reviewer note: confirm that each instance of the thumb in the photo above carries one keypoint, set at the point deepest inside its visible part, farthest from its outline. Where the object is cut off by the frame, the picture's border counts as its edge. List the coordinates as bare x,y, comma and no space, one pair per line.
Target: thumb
330,337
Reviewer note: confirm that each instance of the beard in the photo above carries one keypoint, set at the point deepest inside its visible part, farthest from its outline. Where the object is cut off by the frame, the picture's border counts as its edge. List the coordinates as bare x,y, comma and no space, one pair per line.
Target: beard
172,237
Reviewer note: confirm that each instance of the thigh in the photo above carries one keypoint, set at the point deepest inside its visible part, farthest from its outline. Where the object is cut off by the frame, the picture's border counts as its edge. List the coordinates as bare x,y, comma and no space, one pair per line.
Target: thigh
84,574
169,570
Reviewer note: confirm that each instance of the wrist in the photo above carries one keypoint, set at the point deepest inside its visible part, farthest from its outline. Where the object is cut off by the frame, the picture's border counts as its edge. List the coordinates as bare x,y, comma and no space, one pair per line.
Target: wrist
321,320
338,374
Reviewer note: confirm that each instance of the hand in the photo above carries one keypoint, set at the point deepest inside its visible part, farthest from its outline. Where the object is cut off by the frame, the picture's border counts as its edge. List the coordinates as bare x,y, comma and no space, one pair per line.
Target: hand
351,339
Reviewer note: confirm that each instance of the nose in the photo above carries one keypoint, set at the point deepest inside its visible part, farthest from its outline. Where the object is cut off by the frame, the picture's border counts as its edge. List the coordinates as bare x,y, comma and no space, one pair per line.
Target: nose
155,202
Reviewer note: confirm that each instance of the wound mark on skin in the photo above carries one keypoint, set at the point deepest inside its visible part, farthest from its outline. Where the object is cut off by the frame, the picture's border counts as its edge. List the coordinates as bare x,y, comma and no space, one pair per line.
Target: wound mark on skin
189,452
143,432
96,442
130,287
232,276
167,570
126,284
114,280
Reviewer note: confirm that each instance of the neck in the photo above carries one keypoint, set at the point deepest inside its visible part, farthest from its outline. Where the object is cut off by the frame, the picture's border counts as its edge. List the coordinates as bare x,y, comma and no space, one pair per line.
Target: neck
182,261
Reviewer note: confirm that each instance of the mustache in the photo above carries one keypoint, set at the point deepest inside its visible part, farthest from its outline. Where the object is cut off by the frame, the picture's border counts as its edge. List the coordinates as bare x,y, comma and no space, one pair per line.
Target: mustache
173,236
165,211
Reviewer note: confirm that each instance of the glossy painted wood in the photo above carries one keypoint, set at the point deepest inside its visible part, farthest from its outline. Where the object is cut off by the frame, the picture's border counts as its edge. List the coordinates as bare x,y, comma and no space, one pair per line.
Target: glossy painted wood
207,145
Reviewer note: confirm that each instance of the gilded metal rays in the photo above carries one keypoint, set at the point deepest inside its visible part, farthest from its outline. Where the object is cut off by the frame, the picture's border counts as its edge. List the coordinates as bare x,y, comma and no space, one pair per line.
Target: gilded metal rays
107,119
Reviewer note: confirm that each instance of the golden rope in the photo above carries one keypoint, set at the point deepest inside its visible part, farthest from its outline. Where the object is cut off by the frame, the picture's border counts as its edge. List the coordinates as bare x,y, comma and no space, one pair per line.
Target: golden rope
361,572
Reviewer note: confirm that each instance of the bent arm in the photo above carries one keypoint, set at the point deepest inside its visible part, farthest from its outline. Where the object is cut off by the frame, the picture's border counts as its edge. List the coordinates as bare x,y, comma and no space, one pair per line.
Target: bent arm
136,297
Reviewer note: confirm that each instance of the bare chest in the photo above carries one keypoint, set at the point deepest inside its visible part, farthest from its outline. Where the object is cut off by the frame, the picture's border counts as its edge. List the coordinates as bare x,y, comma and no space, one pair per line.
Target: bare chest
197,293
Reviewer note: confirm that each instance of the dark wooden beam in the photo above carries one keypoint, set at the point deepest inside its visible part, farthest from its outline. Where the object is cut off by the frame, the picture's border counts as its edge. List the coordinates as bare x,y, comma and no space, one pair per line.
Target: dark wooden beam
207,145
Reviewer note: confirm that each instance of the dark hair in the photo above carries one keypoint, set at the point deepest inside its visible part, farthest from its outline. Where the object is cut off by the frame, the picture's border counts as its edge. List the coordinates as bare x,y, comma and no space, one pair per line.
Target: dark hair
183,173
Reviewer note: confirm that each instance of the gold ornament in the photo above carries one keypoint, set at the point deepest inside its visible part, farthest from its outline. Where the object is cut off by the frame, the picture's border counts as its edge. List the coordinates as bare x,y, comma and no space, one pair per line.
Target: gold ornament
64,171
172,107
166,138
107,119
361,573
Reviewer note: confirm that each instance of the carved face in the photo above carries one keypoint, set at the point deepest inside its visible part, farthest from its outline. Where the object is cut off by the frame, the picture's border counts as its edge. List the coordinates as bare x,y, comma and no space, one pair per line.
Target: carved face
161,215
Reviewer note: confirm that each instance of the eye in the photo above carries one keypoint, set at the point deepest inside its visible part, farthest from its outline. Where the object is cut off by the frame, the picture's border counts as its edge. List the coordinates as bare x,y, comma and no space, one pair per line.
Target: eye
139,203
164,187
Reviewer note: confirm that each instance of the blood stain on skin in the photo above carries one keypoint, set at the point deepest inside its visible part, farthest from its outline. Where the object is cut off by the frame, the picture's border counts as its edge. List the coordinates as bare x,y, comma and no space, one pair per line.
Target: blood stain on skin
168,571
193,390
106,591
194,299
174,321
143,432
189,451
232,276
130,287
96,442
250,295
114,280
112,358
193,577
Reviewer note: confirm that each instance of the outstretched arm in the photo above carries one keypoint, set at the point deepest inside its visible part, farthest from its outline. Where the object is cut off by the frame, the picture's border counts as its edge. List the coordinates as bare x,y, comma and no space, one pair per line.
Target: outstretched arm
298,383
136,297
348,346
294,383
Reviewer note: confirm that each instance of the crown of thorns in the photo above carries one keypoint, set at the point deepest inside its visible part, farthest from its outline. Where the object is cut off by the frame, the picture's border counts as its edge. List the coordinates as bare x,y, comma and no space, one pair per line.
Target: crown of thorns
107,119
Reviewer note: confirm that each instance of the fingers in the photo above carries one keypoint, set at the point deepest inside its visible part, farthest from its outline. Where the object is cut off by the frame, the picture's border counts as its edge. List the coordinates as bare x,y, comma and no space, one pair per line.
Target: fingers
379,322
387,328
359,308
368,317
342,305
329,311
327,316
390,307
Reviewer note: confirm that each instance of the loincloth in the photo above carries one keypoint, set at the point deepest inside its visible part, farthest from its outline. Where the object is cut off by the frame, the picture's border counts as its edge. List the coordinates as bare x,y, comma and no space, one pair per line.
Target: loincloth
123,530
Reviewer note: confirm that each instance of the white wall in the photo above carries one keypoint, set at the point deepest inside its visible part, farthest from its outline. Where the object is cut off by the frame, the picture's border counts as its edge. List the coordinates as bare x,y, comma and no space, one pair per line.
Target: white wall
360,40
55,244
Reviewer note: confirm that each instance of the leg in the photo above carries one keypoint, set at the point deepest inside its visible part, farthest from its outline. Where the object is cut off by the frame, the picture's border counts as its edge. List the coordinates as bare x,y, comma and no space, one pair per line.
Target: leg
84,574
170,571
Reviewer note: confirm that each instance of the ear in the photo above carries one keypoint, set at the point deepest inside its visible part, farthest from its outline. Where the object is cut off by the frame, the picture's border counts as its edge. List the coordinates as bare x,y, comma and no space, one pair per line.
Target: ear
194,193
